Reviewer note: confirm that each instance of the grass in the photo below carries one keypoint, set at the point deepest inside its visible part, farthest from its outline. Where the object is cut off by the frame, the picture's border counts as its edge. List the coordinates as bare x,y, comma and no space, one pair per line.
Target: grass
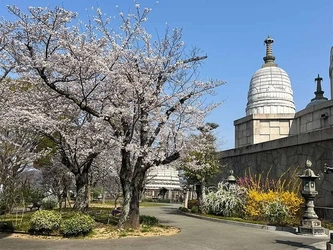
235,219
20,221
293,222
152,204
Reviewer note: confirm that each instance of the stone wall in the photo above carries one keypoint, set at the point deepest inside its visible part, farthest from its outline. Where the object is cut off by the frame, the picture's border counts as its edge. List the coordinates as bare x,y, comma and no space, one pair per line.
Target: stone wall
313,118
259,128
287,153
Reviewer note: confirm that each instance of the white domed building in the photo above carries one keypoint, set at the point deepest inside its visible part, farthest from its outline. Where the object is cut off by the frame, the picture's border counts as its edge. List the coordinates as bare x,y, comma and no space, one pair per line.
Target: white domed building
163,182
270,108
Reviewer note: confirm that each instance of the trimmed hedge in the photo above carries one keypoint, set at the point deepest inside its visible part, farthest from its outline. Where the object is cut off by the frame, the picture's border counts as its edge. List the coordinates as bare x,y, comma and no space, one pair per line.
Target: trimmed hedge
45,221
79,224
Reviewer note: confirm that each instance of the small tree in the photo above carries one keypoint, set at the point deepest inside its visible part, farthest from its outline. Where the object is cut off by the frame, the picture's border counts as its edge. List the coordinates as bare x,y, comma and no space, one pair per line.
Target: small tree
199,165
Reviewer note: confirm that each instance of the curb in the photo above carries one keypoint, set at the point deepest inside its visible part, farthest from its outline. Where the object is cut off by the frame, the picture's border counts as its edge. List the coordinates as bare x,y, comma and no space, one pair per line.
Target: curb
245,224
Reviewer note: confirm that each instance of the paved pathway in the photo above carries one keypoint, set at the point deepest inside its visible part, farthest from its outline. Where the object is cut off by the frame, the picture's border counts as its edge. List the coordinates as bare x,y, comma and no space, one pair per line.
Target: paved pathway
196,234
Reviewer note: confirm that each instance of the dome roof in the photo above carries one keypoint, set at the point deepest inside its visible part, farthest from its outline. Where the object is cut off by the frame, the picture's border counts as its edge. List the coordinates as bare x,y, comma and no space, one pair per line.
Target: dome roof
319,94
270,88
163,177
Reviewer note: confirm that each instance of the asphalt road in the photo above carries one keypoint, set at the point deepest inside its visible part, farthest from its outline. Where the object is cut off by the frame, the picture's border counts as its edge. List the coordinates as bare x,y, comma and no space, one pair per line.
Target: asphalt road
196,234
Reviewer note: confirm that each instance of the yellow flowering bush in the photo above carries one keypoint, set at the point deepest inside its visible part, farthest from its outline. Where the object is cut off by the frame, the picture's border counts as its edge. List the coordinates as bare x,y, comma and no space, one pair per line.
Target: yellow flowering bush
274,206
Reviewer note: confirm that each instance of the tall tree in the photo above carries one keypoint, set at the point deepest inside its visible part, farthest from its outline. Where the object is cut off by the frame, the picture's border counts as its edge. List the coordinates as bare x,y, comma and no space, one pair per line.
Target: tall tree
147,91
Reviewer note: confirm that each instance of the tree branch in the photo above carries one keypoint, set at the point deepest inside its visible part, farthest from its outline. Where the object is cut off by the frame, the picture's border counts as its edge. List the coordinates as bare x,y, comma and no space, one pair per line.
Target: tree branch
167,114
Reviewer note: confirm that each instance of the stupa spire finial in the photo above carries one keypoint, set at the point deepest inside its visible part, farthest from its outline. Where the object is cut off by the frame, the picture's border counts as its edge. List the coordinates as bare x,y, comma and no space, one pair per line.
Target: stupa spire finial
319,92
269,58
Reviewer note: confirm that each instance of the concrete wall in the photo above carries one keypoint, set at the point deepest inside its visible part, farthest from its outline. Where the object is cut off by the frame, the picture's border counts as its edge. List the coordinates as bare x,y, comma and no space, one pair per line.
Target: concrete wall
280,155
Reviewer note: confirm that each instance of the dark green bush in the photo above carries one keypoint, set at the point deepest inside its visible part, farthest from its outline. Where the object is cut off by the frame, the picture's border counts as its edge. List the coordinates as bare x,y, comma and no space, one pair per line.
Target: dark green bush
45,221
148,200
79,224
195,209
7,226
164,200
183,209
148,220
192,203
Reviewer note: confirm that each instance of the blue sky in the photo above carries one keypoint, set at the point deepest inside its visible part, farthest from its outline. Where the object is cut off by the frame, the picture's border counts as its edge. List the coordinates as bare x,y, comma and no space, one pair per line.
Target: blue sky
231,33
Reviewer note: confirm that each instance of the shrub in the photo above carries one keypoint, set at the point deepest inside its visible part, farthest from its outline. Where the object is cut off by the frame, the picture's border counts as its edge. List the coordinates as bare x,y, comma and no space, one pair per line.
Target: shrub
79,224
195,209
276,212
272,206
148,220
183,209
7,226
164,200
192,203
45,221
50,202
227,201
288,181
148,200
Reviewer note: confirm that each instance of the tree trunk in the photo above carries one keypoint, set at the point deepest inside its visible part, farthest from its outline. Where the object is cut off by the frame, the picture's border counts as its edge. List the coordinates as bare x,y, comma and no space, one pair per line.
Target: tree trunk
134,214
82,199
186,199
127,194
89,192
132,185
60,199
203,194
200,190
103,195
125,177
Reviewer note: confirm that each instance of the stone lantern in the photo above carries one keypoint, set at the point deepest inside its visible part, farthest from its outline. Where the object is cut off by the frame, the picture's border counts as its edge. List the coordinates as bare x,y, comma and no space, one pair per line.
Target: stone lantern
231,178
309,223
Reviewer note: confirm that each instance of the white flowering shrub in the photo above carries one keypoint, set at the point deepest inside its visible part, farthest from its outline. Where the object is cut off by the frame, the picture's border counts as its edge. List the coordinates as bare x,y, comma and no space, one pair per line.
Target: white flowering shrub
227,200
44,221
276,211
79,224
50,202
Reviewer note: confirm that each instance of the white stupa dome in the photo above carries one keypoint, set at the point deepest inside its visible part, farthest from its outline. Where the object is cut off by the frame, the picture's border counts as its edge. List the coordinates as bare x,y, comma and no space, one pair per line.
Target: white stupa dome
270,89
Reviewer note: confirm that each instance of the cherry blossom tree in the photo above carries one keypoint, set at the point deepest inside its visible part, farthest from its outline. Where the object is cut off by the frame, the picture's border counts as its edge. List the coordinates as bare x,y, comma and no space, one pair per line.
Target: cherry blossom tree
34,107
17,155
147,92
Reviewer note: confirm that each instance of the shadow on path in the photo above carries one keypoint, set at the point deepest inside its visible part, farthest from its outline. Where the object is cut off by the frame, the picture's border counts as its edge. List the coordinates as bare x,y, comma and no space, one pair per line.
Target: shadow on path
5,234
296,244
